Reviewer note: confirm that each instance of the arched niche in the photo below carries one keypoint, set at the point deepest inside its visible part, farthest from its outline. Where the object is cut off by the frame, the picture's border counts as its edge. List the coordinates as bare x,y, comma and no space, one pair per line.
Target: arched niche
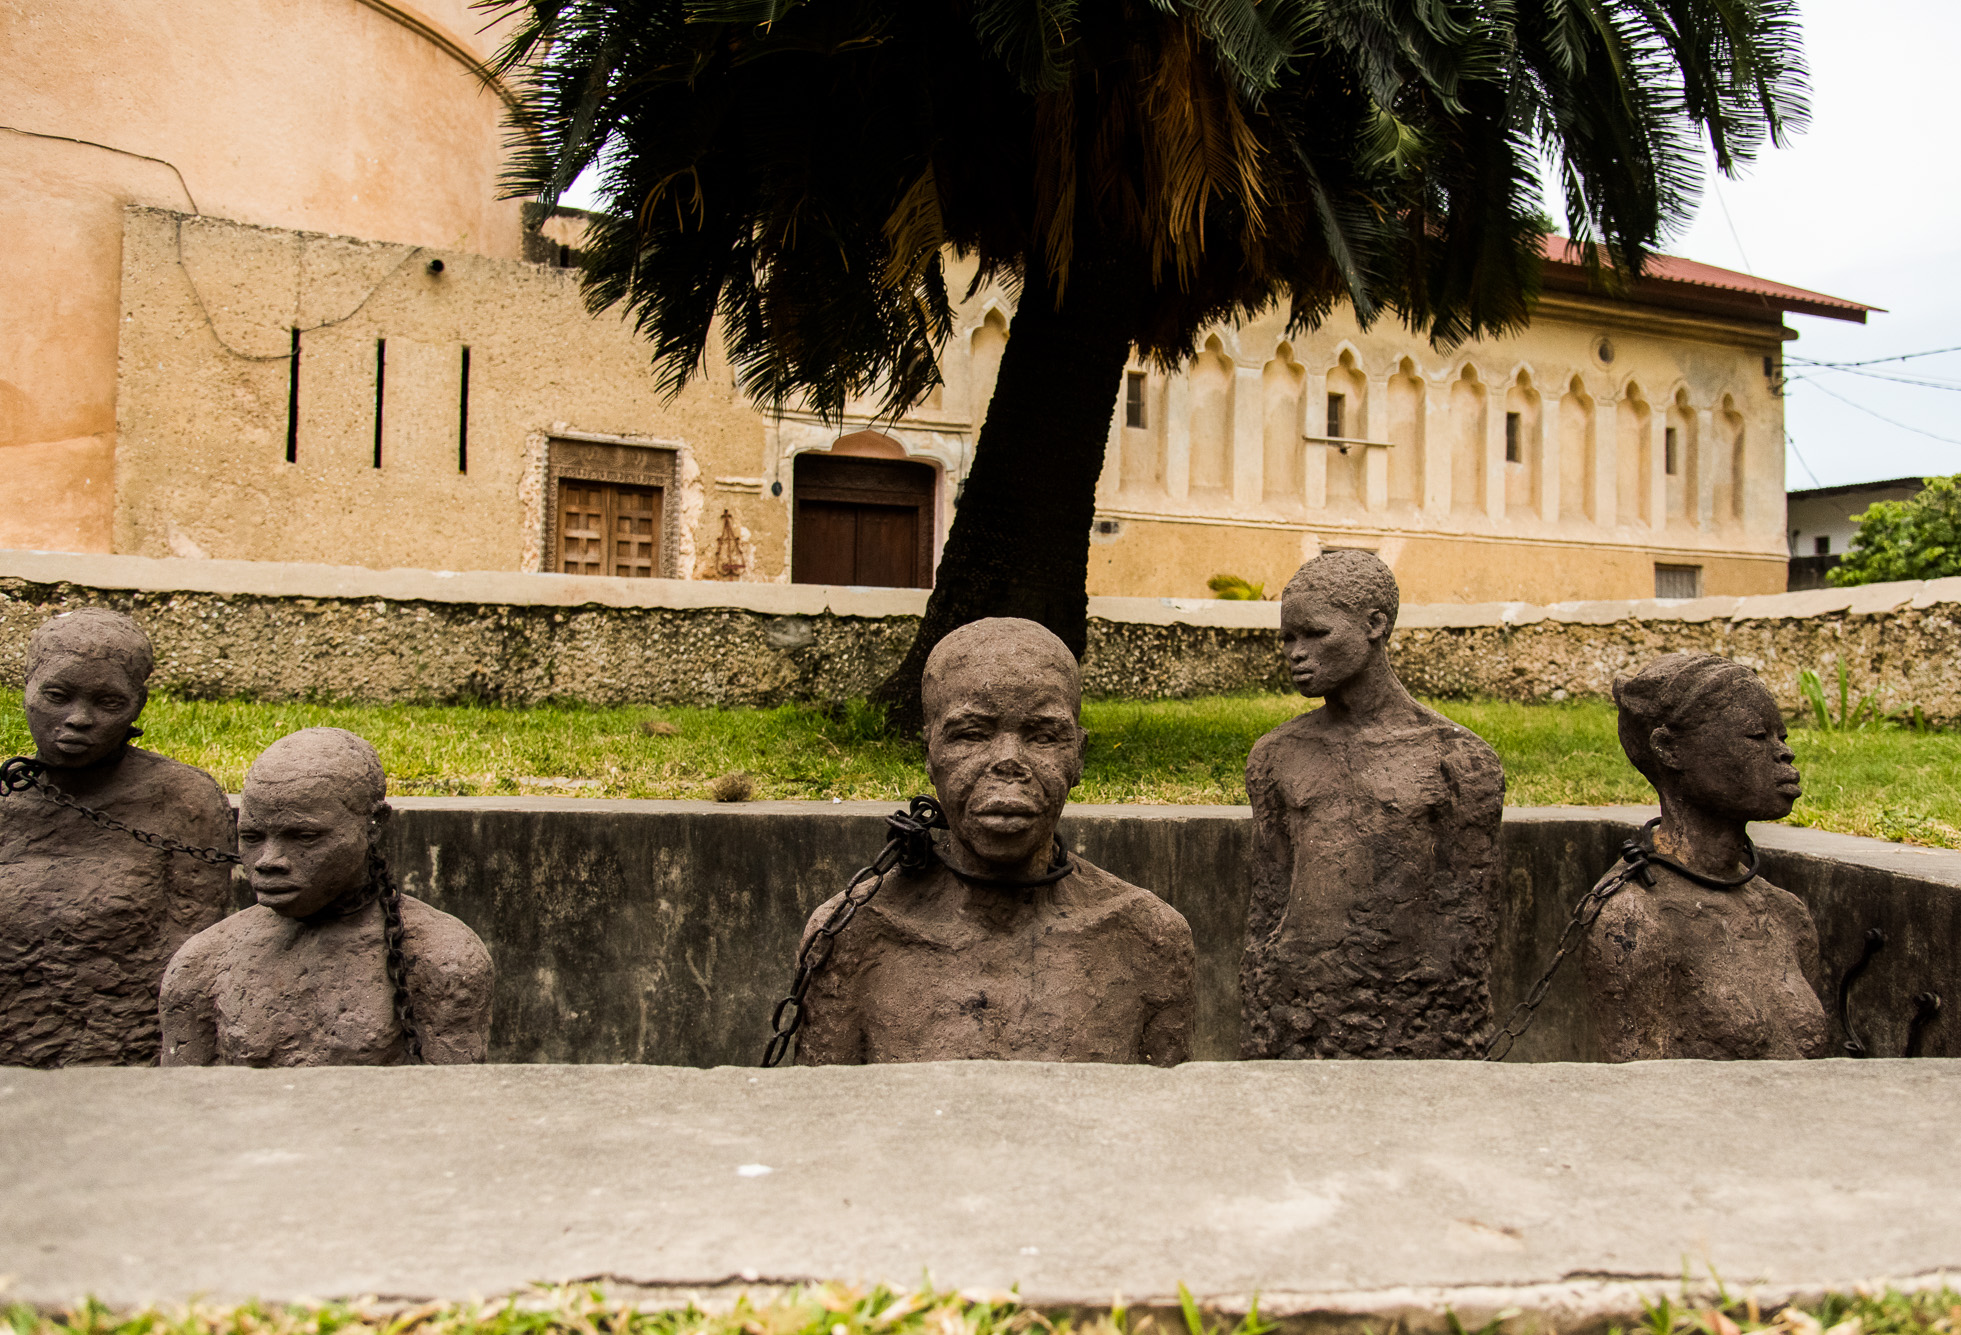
984,347
1211,438
1467,436
1408,396
1344,416
1576,453
1634,456
1681,461
1731,463
1524,442
1281,383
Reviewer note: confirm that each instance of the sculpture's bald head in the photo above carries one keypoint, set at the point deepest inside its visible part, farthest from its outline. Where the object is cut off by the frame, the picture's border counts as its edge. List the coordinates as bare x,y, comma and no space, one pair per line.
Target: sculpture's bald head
999,649
88,675
312,808
343,760
1002,698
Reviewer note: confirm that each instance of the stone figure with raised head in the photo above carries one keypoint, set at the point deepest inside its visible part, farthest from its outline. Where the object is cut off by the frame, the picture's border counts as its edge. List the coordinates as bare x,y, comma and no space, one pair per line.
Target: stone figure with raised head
1375,845
89,917
1704,959
334,966
1006,947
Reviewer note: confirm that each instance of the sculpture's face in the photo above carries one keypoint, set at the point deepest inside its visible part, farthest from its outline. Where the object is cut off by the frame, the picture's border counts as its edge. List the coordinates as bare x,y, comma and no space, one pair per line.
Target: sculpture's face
1733,760
302,845
1003,755
79,709
1325,646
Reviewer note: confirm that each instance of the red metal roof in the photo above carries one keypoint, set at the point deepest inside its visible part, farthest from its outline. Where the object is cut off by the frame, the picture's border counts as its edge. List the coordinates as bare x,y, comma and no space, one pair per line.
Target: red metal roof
1665,272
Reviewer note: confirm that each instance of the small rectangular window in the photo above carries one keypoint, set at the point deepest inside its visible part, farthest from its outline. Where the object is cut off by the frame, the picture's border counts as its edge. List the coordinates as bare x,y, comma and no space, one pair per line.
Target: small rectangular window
1671,457
1337,417
1514,451
1678,581
1823,545
293,403
1133,400
380,383
463,417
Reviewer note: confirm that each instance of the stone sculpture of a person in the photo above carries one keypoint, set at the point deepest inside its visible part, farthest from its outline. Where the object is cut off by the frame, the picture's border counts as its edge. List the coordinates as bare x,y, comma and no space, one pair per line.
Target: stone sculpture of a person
1375,855
1682,967
990,953
333,966
89,917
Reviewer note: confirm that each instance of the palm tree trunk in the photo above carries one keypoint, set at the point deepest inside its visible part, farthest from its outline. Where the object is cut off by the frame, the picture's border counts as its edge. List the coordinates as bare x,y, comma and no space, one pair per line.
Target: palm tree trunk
1019,546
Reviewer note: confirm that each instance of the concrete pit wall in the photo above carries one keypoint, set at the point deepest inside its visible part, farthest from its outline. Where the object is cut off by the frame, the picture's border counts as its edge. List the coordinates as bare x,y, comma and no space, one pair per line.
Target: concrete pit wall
664,932
270,630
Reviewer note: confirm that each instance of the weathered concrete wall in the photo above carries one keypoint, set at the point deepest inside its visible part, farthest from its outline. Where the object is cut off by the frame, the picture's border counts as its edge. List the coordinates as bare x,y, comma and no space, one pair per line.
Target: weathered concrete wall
362,118
665,931
285,631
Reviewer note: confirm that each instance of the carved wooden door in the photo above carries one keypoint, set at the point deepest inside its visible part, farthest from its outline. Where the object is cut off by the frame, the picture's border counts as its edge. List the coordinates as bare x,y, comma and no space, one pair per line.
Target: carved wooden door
608,529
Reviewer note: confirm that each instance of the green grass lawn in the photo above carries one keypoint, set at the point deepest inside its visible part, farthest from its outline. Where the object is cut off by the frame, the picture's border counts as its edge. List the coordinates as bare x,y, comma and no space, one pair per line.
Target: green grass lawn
836,1309
1885,781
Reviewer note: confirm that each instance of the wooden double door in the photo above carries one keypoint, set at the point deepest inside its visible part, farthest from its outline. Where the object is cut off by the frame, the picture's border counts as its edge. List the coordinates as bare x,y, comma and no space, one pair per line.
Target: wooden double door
608,529
863,521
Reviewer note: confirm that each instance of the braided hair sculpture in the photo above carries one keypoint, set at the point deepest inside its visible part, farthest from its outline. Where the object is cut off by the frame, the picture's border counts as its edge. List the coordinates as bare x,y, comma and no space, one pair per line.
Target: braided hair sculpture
351,756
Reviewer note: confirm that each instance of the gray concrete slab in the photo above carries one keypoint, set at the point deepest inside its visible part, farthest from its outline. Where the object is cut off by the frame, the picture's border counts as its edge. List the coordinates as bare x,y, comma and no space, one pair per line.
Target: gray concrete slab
1331,1189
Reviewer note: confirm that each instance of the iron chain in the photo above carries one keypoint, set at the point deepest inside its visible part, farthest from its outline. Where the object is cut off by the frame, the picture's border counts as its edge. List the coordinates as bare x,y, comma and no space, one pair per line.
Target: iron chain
1639,855
19,773
910,849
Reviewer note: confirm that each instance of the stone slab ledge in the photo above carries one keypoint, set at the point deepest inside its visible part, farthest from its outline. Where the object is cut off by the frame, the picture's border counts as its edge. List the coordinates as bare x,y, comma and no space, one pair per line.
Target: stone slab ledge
1337,1192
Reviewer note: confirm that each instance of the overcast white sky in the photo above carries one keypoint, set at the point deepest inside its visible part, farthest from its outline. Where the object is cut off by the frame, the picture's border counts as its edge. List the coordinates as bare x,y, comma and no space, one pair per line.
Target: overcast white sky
1864,205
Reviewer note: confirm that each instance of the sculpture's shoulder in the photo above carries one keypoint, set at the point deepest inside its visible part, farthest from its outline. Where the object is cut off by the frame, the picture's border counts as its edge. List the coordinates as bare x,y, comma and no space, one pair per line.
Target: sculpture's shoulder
1466,756
1277,748
442,941
204,950
1112,897
185,789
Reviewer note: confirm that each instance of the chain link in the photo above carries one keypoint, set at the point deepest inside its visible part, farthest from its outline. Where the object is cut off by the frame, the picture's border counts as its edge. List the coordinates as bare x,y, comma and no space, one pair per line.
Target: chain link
20,773
910,849
1639,856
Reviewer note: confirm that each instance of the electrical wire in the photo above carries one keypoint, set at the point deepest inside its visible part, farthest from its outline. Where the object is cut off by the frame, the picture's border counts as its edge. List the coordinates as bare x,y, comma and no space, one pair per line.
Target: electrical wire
1918,381
286,356
1918,431
1875,361
111,148
1792,444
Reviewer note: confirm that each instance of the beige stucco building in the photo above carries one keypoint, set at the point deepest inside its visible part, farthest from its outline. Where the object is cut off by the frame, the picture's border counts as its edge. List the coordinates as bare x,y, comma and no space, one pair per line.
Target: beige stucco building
322,339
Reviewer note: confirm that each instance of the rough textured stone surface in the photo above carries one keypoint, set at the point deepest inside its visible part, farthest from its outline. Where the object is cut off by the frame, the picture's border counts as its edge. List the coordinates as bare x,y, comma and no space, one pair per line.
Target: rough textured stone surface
333,966
422,635
1339,1192
661,931
987,952
260,989
1375,845
1703,958
89,917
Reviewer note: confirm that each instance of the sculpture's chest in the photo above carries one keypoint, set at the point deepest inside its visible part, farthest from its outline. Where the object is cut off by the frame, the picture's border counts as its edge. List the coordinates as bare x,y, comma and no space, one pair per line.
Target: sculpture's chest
65,882
1349,787
1055,989
306,997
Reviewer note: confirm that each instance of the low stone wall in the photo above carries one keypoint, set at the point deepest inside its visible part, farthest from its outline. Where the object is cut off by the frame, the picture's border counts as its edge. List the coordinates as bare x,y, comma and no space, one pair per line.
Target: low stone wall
664,932
271,631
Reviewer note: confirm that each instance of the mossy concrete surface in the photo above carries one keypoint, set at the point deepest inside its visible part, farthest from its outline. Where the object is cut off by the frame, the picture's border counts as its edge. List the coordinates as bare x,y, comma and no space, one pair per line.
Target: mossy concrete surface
1336,1191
